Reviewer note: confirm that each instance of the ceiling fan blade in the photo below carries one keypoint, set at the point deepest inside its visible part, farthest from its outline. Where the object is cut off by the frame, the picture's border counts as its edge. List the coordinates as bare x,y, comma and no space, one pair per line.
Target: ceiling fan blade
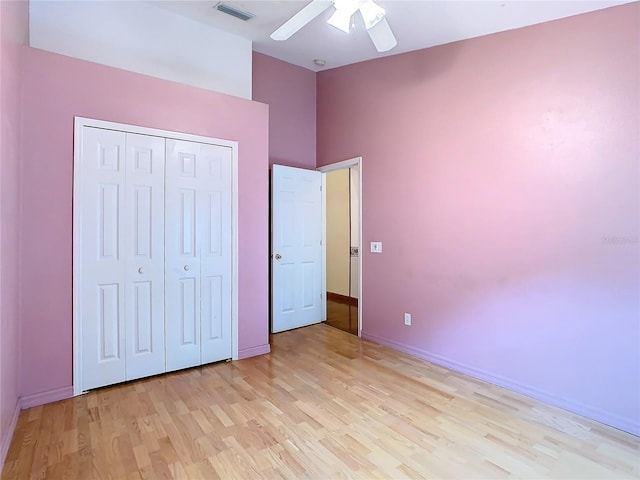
300,19
382,36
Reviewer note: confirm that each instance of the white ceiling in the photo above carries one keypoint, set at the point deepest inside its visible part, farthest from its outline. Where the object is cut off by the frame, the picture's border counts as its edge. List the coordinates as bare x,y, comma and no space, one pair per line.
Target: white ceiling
416,24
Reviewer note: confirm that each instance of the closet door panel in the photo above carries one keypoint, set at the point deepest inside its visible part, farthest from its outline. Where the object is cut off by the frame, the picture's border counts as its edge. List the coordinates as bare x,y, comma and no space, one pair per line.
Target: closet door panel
198,253
182,262
144,244
102,307
214,222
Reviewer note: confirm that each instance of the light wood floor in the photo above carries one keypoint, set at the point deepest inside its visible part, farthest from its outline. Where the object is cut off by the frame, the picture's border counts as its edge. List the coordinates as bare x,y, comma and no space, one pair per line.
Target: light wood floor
324,404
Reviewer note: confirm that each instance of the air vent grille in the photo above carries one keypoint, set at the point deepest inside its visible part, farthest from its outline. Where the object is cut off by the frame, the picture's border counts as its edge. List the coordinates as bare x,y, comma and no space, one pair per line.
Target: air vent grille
234,12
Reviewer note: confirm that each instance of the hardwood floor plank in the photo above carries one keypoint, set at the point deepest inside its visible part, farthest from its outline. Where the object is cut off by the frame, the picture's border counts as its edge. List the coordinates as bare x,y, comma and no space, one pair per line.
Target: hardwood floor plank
324,404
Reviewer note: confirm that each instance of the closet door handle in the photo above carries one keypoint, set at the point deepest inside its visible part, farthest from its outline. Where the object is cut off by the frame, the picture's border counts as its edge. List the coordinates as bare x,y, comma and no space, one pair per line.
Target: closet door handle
140,270
186,268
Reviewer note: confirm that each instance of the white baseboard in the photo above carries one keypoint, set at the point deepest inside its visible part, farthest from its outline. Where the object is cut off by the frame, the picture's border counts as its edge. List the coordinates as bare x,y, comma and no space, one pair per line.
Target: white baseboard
625,424
7,435
46,397
254,351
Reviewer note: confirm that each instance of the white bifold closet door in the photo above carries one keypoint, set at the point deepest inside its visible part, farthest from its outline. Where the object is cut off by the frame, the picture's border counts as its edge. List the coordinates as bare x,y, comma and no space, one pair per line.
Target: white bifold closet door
198,253
122,255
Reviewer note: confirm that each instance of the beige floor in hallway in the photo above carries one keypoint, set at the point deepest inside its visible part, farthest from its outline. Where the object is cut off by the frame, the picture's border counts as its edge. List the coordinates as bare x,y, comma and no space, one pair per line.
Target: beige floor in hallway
324,404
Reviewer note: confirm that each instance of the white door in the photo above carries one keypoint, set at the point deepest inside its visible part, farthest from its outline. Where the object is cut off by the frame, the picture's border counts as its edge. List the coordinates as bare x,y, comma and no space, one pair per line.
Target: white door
143,235
103,288
122,254
197,253
296,247
214,224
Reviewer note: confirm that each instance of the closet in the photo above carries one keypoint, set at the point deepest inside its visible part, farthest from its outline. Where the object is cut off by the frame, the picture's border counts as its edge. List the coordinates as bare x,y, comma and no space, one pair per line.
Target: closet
153,253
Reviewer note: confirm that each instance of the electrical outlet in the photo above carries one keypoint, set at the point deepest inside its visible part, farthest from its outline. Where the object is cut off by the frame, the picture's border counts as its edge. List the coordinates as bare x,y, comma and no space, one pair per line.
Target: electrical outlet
407,319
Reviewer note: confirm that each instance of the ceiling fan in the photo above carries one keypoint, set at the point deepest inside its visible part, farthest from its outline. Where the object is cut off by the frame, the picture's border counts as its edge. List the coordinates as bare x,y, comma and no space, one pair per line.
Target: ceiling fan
372,14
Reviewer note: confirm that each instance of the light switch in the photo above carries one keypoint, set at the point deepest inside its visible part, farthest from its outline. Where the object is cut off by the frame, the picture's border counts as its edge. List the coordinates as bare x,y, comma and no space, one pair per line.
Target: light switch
376,247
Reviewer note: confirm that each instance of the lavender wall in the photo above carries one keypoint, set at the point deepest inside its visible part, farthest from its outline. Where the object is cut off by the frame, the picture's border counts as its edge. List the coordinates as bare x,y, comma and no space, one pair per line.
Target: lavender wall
14,27
55,89
290,92
502,176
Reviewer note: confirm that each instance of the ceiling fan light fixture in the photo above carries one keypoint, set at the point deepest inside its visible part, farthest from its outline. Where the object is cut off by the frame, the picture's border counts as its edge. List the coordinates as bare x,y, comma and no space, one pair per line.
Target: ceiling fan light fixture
371,13
341,18
340,21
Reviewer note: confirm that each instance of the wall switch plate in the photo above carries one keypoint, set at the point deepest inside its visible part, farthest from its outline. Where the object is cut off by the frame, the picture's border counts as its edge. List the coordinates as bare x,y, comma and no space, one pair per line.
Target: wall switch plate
407,319
376,247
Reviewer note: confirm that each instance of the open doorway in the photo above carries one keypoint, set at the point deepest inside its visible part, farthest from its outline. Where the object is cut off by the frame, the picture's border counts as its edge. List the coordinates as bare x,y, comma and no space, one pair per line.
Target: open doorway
342,245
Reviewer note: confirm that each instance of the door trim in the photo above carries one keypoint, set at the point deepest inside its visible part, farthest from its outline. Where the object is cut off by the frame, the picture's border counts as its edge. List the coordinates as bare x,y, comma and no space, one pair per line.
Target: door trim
79,123
351,162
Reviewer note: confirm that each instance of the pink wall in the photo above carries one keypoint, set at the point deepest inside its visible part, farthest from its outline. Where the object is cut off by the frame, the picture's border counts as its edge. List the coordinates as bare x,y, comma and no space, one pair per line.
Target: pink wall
501,175
290,92
14,26
55,89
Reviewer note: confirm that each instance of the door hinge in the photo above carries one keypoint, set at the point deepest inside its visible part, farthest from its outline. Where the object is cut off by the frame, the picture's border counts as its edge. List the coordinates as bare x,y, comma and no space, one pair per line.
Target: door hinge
320,187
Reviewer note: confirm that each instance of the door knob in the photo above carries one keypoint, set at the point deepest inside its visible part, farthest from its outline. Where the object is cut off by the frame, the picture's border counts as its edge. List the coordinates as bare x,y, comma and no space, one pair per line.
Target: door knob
277,256
140,270
186,268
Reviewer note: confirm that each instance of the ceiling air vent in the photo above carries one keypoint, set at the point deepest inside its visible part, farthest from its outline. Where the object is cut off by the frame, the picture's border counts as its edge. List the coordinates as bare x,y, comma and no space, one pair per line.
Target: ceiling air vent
234,12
